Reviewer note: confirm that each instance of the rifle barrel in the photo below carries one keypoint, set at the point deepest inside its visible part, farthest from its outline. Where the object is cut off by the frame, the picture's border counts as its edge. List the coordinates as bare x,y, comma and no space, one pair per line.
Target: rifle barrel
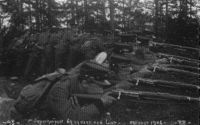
179,57
163,69
142,95
172,45
166,83
156,96
184,67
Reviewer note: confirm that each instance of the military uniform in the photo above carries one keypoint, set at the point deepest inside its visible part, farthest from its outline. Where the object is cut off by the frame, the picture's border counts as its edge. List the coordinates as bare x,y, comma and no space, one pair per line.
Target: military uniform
65,106
59,101
62,102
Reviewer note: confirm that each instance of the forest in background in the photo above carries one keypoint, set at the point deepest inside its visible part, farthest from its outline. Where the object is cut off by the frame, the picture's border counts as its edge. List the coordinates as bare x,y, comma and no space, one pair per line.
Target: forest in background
39,36
175,21
25,24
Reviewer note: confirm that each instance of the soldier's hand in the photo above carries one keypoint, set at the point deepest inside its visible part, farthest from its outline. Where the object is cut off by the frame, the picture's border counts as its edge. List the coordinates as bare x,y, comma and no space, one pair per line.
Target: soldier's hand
107,99
74,102
123,85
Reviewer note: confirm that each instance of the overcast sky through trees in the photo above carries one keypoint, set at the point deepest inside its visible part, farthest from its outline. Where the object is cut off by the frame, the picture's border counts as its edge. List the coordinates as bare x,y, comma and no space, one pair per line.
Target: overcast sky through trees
198,3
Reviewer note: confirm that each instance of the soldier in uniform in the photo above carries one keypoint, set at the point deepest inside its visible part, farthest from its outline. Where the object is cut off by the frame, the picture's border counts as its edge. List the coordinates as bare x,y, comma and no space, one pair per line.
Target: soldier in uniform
65,105
61,101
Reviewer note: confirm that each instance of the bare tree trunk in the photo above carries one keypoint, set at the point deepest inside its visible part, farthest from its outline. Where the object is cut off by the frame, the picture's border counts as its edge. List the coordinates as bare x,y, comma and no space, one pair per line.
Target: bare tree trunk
86,14
156,17
76,11
166,23
37,16
72,12
49,14
124,15
104,10
30,16
111,2
42,17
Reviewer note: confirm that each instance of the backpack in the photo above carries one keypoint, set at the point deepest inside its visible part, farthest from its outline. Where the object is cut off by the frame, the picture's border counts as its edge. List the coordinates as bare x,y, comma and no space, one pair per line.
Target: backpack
32,96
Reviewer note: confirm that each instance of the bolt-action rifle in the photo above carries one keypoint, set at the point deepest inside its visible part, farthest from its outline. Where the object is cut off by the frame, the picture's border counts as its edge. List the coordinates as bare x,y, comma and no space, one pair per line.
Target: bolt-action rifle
170,70
165,84
143,96
178,46
182,67
178,58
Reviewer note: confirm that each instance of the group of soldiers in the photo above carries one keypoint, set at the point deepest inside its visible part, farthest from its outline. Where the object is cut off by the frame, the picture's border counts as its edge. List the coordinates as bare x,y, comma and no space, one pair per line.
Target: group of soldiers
83,76
81,90
80,72
41,53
